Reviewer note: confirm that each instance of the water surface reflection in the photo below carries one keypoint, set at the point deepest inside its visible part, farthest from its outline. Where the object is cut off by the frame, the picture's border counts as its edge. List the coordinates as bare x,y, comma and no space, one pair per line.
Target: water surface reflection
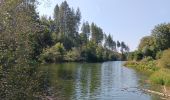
96,81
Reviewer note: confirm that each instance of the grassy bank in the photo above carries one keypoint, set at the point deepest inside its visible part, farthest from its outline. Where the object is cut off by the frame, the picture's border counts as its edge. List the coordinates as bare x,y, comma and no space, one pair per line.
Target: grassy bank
161,77
157,75
149,66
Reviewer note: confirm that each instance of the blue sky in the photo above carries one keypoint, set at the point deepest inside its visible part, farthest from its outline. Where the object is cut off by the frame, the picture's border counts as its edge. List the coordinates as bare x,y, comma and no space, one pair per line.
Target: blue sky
126,20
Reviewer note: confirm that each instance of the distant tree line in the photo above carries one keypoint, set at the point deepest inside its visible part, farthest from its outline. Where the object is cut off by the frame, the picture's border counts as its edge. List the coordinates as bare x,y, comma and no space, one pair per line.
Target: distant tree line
91,44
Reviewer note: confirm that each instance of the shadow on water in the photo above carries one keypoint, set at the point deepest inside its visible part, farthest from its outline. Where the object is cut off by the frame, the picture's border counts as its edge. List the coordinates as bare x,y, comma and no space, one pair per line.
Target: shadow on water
96,81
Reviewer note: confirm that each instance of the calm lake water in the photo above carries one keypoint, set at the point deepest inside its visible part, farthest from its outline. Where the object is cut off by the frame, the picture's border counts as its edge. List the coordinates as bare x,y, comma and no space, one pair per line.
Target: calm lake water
97,81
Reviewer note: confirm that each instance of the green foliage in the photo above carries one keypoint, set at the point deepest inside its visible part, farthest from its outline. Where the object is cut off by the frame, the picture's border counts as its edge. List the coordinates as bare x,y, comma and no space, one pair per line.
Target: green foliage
146,51
124,56
161,33
159,55
110,43
73,55
97,33
147,47
114,56
19,78
86,29
130,56
53,54
138,55
146,41
165,59
148,64
158,41
145,65
131,64
7,58
161,77
22,82
85,34
124,48
89,51
99,53
83,38
147,59
66,22
118,44
159,74
150,48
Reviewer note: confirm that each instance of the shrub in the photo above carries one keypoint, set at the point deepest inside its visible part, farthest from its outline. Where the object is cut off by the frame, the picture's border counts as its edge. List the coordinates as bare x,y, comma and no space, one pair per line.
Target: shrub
53,54
131,64
73,55
165,59
147,59
143,65
158,55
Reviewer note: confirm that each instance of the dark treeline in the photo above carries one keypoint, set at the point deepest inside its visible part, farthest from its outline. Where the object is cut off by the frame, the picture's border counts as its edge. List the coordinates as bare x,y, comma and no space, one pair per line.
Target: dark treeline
26,39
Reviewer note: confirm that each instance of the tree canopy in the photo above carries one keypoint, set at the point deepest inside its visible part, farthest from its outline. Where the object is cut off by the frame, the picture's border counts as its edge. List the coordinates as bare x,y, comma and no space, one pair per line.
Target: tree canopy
161,33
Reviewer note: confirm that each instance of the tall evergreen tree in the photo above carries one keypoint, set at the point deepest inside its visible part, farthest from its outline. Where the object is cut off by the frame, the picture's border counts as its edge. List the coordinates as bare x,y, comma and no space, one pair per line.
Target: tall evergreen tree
85,32
118,44
56,18
123,46
110,43
97,33
67,23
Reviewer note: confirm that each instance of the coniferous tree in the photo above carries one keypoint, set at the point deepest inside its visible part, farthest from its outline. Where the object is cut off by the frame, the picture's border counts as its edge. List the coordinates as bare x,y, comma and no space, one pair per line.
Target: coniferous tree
118,44
67,23
85,32
97,33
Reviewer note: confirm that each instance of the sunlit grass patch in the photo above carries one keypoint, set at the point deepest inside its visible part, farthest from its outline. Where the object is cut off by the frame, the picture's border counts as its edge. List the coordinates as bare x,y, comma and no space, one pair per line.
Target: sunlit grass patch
161,77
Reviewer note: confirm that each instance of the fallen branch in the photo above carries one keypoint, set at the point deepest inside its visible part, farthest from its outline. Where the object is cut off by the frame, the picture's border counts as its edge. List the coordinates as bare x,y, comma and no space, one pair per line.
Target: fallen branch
155,92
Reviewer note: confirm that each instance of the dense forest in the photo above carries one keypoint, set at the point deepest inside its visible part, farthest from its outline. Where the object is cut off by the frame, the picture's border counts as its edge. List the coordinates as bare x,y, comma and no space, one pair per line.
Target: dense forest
153,55
27,39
